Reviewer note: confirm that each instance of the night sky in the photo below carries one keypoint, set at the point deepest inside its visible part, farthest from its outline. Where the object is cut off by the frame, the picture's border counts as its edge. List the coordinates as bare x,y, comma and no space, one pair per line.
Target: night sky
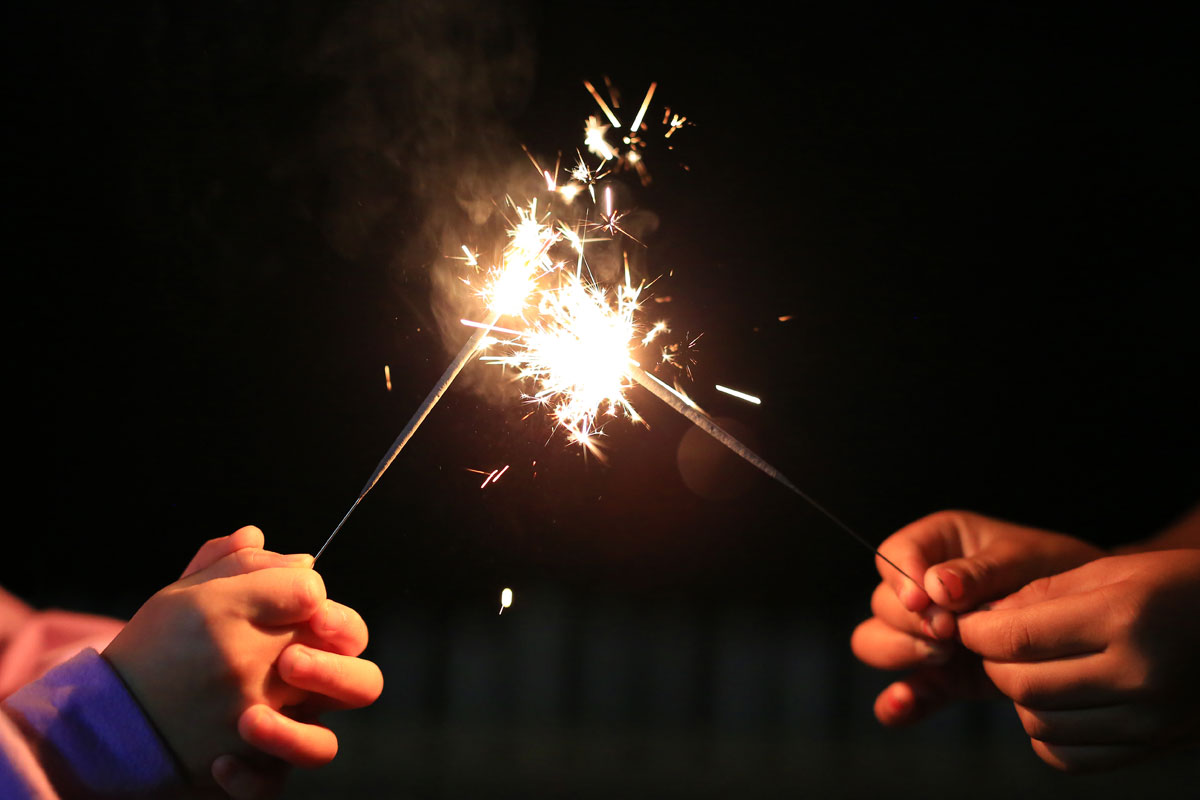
224,221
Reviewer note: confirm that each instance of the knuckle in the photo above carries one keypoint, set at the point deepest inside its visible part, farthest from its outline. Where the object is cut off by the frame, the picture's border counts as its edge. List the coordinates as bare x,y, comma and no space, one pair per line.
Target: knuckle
879,599
308,590
1021,689
1035,727
1018,640
1040,588
297,662
246,560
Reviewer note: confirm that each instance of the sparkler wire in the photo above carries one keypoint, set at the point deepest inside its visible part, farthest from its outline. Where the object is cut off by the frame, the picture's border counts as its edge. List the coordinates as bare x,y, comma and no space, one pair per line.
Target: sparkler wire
414,422
706,424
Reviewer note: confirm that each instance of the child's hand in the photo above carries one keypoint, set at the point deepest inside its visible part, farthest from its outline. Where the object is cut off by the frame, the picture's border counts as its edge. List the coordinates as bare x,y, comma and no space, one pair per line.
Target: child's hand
962,560
1101,661
200,656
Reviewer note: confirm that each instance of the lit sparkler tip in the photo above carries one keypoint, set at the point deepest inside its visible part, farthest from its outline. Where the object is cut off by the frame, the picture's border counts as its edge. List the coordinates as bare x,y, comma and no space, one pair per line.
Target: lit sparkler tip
506,598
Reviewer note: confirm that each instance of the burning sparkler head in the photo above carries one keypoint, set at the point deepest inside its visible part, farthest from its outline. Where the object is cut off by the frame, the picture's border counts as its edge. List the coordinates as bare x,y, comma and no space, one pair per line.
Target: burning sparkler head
524,260
577,355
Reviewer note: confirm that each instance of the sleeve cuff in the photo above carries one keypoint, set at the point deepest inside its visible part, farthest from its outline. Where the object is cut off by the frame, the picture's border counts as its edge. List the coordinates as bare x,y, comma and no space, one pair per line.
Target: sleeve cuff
90,733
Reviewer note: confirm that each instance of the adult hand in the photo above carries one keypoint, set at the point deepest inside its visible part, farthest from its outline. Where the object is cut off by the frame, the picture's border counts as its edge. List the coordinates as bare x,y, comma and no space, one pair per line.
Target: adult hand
1101,661
959,560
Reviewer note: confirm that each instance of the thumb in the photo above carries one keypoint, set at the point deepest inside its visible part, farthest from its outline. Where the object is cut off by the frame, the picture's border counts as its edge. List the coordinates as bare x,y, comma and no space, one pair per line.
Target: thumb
999,569
214,550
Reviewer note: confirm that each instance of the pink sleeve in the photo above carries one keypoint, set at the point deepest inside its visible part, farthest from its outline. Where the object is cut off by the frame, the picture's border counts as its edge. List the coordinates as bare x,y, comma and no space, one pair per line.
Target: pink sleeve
32,642
21,776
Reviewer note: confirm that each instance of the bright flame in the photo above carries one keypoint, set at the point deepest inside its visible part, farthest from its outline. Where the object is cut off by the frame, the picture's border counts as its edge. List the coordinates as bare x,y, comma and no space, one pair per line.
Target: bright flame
525,259
576,353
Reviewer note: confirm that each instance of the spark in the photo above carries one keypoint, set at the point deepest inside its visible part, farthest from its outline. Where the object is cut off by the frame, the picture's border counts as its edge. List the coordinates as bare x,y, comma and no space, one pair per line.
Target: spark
387,376
616,123
659,327
500,474
586,176
472,259
506,598
786,317
488,479
749,398
675,124
594,138
613,92
637,121
610,220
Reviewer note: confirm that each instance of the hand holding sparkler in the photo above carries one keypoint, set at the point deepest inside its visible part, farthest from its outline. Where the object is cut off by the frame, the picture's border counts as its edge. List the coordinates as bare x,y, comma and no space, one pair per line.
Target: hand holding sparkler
1089,647
215,657
963,560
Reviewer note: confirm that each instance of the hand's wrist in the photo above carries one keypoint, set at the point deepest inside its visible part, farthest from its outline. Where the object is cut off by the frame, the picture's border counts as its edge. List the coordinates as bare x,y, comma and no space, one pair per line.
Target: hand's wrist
1183,534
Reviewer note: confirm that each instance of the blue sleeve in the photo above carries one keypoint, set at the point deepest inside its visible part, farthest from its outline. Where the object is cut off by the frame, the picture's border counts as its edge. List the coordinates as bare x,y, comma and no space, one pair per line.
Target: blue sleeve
88,733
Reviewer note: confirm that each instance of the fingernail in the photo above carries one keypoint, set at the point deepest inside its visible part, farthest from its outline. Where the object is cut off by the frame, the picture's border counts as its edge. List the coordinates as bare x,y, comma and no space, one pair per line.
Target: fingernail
927,629
899,700
299,559
934,652
941,624
235,779
952,582
300,660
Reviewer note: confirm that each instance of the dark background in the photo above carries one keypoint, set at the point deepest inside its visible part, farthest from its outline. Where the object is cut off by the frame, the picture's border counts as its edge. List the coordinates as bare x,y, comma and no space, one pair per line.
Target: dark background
222,223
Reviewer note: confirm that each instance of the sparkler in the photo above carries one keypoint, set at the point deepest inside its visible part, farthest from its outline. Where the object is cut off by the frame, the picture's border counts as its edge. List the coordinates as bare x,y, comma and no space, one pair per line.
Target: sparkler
524,259
706,424
577,353
576,349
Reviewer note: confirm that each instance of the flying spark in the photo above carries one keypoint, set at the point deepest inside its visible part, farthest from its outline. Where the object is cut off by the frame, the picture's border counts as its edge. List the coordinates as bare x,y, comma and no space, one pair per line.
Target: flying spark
749,398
